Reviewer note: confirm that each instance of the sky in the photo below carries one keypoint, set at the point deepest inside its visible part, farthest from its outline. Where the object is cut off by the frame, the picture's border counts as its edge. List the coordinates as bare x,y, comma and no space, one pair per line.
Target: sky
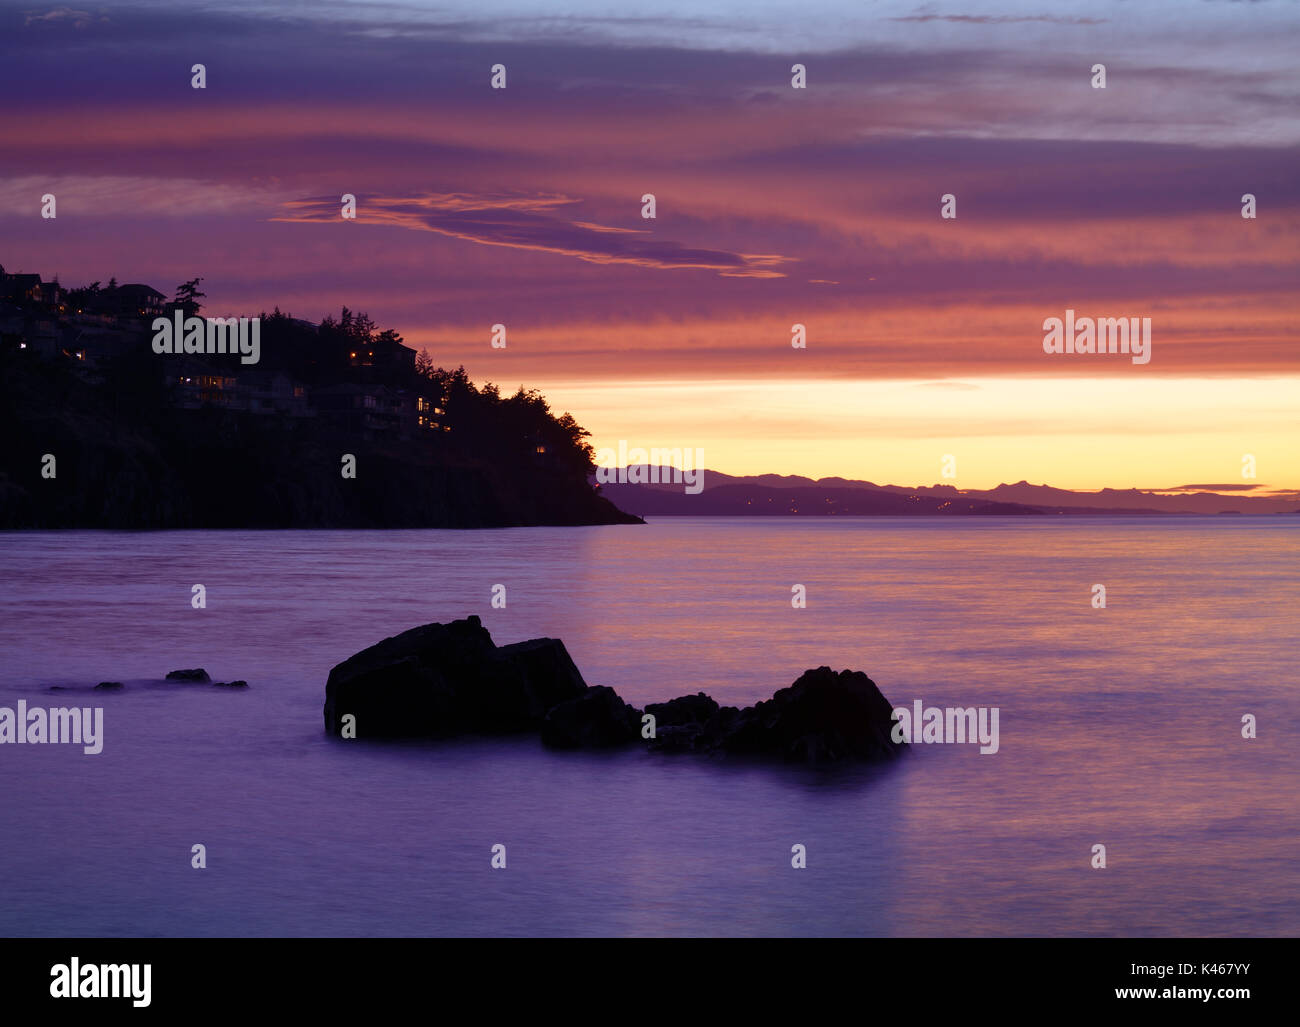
774,206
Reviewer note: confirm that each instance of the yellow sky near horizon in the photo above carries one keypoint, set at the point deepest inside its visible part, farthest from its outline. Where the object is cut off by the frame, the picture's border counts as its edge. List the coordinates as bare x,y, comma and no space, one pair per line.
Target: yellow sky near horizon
1069,432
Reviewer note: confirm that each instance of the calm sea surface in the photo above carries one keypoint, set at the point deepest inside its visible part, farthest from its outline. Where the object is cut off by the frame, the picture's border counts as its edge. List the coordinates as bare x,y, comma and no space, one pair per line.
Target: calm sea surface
1119,726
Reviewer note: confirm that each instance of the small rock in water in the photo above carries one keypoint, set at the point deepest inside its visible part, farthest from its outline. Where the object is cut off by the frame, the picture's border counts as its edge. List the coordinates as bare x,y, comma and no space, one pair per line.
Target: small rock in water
231,684
197,674
109,686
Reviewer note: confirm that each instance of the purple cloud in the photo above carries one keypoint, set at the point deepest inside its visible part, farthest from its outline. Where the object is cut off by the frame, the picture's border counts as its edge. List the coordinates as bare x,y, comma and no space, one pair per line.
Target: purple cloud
529,222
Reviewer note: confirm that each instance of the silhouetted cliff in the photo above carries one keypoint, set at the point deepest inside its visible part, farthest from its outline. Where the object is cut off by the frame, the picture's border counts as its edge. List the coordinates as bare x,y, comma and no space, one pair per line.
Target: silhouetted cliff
133,449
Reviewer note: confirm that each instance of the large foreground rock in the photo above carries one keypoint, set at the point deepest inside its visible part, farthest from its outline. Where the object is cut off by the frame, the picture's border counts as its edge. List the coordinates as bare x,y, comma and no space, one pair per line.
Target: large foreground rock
441,680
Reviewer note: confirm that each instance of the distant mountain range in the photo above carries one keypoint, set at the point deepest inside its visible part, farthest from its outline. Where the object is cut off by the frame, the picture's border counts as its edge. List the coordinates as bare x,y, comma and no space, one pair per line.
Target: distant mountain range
786,495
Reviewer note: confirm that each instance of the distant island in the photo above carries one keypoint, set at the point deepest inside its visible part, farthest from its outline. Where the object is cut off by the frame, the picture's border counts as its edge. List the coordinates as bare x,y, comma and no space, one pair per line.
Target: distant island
335,424
648,492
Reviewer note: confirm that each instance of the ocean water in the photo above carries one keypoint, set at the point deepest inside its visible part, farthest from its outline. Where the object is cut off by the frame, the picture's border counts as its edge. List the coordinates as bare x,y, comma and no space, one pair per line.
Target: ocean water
1119,726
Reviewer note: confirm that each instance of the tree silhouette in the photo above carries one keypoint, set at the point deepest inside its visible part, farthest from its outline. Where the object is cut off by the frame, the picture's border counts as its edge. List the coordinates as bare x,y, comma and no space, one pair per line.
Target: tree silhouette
188,295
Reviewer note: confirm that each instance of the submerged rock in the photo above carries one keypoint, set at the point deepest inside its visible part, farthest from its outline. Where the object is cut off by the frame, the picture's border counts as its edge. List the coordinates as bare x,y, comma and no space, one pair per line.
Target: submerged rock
231,684
109,686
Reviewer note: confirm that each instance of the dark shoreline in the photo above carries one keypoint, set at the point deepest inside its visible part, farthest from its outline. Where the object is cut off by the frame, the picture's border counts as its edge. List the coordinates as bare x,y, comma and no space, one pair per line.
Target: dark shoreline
121,454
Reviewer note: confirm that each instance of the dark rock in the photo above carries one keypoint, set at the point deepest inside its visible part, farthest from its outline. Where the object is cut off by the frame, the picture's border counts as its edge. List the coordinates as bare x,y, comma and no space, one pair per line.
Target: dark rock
440,680
687,729
675,737
197,674
824,717
596,719
684,710
680,722
548,670
231,684
109,686
722,722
